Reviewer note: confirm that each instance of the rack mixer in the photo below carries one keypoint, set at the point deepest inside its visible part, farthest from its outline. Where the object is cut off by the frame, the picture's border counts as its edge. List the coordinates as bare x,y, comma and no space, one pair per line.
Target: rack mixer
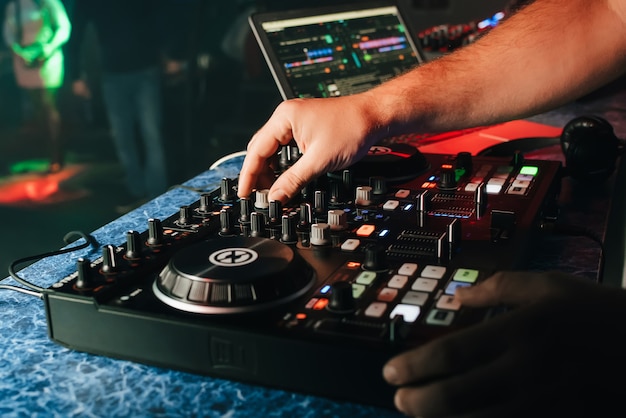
315,295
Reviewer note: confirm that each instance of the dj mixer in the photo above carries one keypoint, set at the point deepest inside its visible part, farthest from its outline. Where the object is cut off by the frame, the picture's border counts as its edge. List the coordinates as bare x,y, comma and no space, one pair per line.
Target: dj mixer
314,295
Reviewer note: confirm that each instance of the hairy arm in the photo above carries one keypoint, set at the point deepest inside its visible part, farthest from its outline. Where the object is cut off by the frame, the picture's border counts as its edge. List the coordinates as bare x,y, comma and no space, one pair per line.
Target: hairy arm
548,53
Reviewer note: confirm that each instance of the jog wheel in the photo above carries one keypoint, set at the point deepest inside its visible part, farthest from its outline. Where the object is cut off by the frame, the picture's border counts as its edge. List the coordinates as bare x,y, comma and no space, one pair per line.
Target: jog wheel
233,275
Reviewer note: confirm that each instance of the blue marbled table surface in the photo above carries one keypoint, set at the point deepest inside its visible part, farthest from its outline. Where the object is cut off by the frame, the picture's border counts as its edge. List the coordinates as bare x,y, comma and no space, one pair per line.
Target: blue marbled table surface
41,378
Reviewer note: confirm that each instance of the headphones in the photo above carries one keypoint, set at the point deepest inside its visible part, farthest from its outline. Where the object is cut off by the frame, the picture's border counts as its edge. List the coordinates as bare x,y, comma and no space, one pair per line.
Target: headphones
588,143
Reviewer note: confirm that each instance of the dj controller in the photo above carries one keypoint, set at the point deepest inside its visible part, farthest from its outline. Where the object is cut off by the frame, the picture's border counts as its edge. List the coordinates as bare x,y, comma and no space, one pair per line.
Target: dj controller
314,295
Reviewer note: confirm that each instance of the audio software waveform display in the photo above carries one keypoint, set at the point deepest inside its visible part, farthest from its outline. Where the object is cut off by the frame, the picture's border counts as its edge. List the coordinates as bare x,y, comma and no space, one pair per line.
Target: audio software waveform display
341,53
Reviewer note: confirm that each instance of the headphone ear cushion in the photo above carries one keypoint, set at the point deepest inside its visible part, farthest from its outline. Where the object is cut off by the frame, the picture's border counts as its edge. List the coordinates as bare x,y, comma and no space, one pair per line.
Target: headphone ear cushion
590,148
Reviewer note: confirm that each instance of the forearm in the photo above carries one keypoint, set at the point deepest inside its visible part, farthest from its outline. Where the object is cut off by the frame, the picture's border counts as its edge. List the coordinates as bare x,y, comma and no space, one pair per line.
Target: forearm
549,53
61,24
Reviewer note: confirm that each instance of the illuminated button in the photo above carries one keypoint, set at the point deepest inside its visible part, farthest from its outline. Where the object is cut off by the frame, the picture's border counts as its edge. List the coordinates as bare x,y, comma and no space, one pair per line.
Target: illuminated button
452,286
408,269
376,309
433,272
350,244
438,317
391,205
408,312
471,187
529,170
424,285
402,193
320,304
353,264
448,302
524,177
398,281
387,294
357,290
366,278
493,188
415,298
365,230
465,275
496,182
311,303
301,316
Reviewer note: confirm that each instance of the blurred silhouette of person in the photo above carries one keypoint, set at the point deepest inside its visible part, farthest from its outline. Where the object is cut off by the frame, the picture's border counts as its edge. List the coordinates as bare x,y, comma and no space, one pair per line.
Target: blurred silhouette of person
36,31
131,38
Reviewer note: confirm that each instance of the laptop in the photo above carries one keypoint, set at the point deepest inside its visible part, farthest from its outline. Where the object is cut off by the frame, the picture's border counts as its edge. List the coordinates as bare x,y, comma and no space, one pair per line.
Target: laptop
344,49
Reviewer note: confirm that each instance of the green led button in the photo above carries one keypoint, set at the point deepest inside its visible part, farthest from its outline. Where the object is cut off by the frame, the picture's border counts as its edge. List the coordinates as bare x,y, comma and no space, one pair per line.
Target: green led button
529,170
465,275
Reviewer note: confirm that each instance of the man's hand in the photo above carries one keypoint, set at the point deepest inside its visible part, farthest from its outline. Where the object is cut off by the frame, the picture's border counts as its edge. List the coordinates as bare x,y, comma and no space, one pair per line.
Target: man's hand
331,134
561,351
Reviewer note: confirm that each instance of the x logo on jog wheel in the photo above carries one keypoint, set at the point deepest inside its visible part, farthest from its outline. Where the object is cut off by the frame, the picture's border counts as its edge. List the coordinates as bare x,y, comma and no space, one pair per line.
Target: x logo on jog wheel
233,257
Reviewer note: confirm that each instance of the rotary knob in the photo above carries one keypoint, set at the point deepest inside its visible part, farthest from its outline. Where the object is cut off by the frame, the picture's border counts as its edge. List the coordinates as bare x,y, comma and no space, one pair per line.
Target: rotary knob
363,196
261,200
341,299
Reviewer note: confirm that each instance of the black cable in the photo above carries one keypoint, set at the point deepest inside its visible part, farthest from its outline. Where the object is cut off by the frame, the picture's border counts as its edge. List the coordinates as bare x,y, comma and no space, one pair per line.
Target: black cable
33,289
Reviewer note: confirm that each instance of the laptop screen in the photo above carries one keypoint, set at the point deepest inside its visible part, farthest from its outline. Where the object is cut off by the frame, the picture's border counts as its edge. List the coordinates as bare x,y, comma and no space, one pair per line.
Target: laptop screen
335,51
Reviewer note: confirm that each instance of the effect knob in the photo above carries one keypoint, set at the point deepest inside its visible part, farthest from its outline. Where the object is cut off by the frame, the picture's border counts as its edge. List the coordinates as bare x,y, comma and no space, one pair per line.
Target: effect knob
227,191
261,200
184,215
447,179
109,260
226,221
205,203
133,245
288,227
257,224
84,280
363,196
337,219
275,211
155,232
378,185
341,299
320,234
375,258
245,209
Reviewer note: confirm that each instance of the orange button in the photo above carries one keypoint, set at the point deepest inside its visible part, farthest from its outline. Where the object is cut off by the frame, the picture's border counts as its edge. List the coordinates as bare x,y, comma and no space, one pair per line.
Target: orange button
320,304
365,230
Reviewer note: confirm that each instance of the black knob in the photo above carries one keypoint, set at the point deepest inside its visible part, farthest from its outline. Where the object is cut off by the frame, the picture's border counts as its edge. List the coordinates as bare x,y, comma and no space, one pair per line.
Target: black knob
227,191
84,279
205,203
133,245
378,185
245,209
341,299
319,204
447,179
275,211
155,232
257,224
464,162
109,259
289,154
347,179
289,234
184,215
375,258
518,159
226,222
305,216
